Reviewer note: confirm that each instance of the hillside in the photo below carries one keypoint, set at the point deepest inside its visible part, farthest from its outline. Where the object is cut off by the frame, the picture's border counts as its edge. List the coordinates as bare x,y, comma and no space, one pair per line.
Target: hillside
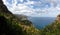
10,24
52,29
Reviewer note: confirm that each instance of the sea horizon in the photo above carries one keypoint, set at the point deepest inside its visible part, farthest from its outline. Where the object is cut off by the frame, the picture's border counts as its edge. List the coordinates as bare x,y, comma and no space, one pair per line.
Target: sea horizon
41,22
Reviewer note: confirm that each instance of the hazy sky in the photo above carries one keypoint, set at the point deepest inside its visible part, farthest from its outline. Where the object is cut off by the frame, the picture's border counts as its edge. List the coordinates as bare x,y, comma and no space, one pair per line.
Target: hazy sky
35,8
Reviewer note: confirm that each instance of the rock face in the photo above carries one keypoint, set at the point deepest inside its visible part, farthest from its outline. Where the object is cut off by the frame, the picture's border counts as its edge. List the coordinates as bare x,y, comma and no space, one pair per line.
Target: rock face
1,2
58,18
3,8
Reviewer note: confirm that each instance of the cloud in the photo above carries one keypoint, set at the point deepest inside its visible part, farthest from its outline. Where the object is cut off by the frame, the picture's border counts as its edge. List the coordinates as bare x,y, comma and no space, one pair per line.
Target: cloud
21,0
40,8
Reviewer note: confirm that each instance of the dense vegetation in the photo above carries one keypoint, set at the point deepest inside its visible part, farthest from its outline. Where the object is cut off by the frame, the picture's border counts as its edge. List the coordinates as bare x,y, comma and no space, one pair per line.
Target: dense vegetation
52,29
11,25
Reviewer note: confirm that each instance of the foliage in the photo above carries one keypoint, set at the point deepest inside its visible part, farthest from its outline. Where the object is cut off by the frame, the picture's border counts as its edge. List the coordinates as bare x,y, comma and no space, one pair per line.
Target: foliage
52,29
11,25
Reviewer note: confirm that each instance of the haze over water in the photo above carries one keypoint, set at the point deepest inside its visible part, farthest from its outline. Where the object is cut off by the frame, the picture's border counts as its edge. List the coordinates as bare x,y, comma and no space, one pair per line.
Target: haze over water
41,22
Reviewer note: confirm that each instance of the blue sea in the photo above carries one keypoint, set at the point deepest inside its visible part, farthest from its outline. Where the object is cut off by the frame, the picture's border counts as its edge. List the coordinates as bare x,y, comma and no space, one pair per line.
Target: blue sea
41,22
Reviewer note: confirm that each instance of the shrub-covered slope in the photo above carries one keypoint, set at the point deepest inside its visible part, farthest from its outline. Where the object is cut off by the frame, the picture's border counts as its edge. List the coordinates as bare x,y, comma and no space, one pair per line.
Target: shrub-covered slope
52,29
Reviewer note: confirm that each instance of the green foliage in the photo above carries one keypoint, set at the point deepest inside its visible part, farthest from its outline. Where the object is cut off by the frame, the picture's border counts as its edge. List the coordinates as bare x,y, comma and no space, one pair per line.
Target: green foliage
10,25
27,22
7,27
53,29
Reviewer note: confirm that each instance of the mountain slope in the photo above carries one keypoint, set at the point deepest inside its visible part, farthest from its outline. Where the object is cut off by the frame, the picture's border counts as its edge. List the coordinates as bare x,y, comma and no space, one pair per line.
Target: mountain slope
10,25
52,29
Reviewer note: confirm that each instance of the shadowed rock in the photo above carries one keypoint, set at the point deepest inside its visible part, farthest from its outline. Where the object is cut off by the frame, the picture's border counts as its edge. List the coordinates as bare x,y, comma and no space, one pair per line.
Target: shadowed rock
3,8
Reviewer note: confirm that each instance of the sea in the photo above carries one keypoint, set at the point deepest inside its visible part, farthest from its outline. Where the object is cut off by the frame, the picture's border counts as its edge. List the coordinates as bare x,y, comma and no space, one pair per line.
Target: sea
41,22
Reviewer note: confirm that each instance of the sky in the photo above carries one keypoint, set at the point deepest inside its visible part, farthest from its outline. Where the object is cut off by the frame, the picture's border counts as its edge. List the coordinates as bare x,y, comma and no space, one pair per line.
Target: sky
34,8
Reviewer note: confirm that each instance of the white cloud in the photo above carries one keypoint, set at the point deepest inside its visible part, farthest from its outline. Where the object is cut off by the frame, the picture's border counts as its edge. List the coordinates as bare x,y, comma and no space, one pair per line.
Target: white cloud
21,0
26,8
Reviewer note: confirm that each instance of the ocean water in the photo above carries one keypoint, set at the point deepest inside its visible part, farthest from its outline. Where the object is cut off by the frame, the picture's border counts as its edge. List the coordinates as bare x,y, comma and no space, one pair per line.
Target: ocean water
41,22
